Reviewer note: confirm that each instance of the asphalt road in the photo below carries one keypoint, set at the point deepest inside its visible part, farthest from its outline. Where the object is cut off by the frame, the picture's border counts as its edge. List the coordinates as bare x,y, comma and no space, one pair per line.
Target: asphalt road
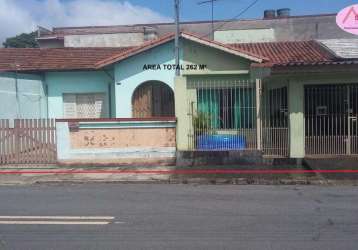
159,216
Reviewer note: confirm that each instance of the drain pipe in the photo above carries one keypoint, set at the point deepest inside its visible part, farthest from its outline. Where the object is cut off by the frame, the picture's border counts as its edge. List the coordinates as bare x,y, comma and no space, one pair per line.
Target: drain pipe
46,93
109,92
18,111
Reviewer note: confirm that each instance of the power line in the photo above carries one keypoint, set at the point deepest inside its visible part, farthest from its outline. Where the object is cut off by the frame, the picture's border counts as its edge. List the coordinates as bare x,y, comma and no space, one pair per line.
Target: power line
232,19
177,31
212,13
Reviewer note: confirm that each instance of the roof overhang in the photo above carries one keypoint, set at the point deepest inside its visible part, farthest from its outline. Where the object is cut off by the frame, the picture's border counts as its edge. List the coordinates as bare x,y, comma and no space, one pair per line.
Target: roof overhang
347,66
170,37
220,46
50,38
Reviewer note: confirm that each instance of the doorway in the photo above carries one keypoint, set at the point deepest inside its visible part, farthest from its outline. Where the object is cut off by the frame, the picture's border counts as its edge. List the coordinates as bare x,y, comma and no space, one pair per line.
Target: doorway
153,99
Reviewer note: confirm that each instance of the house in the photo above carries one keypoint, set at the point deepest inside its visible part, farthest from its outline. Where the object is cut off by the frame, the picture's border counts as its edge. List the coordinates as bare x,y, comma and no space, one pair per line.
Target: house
285,99
271,28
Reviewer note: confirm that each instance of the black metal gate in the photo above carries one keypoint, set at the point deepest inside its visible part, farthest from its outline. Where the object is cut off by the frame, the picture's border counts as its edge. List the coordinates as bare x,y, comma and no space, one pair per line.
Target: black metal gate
331,113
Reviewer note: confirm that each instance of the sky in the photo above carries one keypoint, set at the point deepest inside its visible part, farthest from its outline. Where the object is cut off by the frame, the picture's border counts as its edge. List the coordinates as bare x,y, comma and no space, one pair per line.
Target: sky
17,16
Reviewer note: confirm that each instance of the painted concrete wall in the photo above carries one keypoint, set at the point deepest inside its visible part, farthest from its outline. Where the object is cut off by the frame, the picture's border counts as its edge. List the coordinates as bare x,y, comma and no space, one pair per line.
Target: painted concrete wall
104,40
30,100
122,138
60,83
296,119
125,142
245,35
44,43
129,74
181,112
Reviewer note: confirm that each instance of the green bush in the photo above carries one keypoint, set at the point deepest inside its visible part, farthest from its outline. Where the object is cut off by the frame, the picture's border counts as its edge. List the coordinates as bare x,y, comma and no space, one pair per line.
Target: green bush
201,122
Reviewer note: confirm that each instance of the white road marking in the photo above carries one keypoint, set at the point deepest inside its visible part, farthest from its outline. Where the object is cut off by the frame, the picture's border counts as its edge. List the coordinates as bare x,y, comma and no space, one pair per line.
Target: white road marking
39,222
58,217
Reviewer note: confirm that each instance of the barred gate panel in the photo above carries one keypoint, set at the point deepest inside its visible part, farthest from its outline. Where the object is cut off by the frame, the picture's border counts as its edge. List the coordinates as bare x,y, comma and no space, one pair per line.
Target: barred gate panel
331,113
222,115
353,119
275,133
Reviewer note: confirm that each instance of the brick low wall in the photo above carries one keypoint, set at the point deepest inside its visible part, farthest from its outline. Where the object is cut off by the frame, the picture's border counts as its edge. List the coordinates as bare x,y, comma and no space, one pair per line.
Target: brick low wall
118,141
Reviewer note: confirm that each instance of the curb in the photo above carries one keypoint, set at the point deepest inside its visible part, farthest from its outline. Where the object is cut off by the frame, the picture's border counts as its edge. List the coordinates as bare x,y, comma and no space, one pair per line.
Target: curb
185,181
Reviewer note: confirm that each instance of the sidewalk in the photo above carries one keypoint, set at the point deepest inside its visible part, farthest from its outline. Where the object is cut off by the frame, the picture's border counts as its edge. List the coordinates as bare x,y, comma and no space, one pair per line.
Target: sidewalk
288,175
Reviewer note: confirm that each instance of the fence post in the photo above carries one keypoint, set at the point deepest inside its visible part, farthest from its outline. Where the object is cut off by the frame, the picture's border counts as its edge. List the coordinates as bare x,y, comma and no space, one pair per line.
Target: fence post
17,140
258,113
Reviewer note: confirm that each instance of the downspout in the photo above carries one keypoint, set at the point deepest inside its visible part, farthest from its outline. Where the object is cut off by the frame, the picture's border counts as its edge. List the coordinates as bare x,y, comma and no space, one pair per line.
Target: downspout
18,111
109,100
45,92
109,92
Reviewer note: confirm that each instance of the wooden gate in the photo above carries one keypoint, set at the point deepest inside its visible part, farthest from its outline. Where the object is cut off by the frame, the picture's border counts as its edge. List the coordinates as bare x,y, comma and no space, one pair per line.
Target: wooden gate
27,141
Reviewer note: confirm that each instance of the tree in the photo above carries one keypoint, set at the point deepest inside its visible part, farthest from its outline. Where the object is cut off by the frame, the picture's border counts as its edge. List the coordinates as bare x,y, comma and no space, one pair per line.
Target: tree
24,40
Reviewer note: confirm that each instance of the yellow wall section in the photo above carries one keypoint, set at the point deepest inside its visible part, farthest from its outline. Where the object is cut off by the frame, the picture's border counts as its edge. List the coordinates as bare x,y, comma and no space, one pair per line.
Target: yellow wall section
216,60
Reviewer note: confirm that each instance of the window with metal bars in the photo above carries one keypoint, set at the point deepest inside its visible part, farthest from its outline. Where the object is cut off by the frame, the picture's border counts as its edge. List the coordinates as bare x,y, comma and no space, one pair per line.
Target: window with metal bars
89,105
228,108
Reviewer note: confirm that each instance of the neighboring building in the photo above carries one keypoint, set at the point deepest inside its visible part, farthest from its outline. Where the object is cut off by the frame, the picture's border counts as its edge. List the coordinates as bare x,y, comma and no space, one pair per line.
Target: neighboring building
271,28
285,99
22,96
345,48
24,92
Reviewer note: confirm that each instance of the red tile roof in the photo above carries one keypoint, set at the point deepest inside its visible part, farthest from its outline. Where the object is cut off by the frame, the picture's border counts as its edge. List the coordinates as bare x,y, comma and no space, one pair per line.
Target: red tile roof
269,54
28,59
280,53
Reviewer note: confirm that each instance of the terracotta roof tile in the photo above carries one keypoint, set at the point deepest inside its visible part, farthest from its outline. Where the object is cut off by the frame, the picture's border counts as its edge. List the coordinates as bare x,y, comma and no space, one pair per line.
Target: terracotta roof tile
134,50
271,54
280,53
28,59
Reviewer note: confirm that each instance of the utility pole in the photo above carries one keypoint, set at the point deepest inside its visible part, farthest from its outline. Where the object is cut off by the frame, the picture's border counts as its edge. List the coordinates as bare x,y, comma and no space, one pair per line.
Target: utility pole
177,32
212,14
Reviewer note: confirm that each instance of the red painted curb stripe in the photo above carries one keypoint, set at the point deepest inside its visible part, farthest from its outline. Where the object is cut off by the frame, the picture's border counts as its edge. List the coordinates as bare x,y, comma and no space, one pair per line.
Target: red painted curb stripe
209,171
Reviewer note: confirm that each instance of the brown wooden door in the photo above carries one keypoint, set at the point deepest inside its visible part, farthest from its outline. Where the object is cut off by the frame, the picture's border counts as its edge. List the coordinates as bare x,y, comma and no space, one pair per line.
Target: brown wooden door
153,99
142,101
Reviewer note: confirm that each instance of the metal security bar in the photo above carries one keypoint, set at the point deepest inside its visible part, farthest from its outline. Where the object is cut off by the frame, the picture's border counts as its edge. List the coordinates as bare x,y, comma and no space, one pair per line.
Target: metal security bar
275,138
331,113
222,115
